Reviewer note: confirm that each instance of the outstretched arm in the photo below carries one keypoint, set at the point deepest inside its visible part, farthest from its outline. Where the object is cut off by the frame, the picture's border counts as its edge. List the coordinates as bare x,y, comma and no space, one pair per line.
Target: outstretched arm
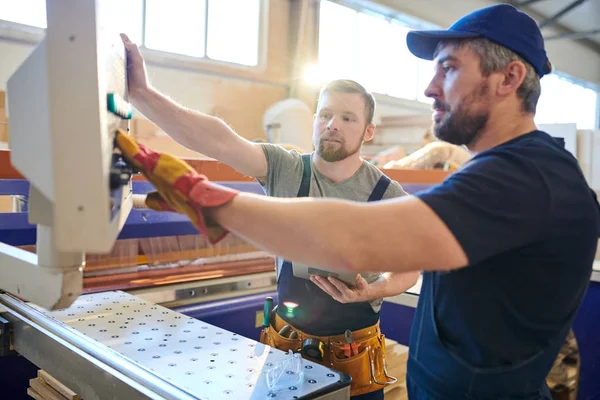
491,206
396,235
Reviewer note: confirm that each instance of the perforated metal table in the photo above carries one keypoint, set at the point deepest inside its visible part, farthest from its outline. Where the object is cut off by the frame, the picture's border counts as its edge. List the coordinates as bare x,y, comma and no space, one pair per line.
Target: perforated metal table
114,345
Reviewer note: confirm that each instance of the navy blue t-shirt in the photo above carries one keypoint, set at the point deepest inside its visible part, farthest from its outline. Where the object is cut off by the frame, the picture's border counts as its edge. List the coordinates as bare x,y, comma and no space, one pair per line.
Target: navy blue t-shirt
529,225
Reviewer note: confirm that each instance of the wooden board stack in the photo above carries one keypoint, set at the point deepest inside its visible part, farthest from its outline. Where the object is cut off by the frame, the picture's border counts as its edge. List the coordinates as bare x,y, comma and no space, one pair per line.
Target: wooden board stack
45,387
396,358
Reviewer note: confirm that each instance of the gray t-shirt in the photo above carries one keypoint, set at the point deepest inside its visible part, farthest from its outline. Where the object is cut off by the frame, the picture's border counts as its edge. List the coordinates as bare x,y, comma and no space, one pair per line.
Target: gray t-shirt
284,175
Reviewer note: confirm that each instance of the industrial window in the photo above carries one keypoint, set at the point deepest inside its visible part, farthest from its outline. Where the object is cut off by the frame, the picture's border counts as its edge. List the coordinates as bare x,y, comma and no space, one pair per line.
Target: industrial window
197,28
371,49
26,12
355,44
563,101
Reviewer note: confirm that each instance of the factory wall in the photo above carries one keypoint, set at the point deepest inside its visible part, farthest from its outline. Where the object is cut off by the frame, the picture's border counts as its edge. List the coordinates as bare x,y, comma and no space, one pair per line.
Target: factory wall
241,95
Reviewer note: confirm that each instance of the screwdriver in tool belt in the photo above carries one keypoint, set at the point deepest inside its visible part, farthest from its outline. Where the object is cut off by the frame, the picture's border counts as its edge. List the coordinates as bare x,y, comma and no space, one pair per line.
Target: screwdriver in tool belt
267,311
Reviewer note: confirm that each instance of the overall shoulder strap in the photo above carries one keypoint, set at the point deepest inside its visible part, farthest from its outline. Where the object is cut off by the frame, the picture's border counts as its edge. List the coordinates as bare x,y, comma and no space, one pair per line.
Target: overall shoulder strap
306,174
302,192
380,188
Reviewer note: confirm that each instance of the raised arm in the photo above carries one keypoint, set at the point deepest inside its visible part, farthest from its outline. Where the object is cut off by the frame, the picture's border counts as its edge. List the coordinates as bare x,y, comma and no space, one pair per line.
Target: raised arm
200,132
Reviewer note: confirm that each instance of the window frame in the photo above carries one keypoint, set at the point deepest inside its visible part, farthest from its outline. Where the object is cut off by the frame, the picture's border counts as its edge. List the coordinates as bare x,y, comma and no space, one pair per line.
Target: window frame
28,34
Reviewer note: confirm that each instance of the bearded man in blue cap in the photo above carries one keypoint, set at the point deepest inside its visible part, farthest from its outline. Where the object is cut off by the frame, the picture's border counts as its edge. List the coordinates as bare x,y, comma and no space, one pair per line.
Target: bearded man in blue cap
506,243
501,344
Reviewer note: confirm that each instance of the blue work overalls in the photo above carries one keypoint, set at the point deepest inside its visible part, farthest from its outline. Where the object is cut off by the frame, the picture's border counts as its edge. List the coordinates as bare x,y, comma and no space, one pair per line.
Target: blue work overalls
312,307
435,373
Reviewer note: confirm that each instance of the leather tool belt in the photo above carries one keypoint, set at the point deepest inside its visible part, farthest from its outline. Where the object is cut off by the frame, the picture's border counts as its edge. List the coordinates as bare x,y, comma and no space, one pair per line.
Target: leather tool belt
363,359
563,378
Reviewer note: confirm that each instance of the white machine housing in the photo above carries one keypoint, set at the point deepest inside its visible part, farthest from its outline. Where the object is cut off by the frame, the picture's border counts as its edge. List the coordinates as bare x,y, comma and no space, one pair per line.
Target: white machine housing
289,122
62,141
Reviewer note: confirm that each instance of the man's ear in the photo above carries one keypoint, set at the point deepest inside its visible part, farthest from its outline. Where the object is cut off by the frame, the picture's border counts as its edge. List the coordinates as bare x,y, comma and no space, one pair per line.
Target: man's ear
514,75
369,132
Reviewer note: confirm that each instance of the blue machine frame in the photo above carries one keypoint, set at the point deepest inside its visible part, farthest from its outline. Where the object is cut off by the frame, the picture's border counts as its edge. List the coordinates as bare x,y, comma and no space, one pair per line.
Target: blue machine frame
238,314
15,230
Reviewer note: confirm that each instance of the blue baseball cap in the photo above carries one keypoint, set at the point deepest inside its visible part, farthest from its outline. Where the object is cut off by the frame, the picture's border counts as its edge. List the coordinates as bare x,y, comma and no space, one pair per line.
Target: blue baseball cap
501,23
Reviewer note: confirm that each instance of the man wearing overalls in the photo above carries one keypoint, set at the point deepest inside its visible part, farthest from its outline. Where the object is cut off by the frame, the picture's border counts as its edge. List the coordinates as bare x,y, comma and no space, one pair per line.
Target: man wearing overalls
506,243
344,120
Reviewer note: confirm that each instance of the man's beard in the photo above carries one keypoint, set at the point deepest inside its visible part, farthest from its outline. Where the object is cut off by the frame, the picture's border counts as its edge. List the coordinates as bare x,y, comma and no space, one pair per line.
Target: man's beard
462,126
328,153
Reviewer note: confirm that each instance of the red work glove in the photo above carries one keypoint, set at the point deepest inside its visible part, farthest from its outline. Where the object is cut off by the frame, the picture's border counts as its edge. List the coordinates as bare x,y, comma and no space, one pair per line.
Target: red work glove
179,187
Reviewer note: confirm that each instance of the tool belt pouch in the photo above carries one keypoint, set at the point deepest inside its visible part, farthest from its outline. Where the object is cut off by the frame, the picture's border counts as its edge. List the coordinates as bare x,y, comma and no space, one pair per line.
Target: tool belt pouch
367,368
271,337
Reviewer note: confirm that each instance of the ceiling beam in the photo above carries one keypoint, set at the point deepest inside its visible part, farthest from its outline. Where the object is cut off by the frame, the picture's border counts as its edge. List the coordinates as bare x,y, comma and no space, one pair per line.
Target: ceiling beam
574,35
562,12
589,44
525,3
